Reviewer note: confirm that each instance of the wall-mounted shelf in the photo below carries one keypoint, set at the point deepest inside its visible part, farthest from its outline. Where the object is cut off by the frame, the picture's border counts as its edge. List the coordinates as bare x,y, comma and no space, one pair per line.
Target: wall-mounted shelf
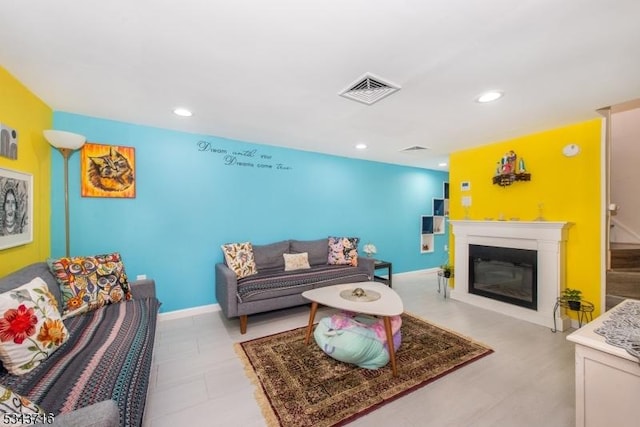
438,225
438,207
426,230
435,223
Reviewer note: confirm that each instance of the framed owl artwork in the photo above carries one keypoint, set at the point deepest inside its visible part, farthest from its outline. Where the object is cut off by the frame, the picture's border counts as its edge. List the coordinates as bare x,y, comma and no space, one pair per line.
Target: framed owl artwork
107,171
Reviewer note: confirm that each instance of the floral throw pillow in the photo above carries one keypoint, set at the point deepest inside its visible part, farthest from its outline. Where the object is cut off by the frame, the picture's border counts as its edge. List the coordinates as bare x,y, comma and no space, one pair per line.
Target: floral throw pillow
88,283
30,326
343,251
239,258
12,403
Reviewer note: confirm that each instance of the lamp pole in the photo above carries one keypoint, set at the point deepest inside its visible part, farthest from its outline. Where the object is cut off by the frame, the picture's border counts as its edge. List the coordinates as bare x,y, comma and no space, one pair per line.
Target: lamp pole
66,143
66,153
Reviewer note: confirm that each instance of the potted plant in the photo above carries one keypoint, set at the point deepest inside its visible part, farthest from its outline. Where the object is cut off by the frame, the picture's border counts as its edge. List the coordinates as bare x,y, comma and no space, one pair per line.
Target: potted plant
447,270
572,297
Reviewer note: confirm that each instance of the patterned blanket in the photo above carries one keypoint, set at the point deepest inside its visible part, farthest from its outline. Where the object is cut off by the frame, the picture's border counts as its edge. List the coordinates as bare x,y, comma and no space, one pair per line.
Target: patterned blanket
108,356
250,288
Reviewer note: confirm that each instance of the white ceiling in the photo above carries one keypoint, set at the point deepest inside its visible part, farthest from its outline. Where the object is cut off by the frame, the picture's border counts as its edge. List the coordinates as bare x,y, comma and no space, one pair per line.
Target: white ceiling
270,71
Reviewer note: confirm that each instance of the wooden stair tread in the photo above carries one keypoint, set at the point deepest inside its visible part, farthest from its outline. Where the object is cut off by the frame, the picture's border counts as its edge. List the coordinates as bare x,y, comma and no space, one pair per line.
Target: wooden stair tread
624,246
625,255
623,280
624,283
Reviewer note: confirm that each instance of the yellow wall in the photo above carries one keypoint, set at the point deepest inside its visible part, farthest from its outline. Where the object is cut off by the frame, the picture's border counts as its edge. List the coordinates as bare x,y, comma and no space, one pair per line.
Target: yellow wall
28,115
568,188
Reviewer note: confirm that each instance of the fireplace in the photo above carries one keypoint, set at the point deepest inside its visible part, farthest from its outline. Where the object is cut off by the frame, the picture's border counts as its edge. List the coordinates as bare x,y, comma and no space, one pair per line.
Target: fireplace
537,257
504,274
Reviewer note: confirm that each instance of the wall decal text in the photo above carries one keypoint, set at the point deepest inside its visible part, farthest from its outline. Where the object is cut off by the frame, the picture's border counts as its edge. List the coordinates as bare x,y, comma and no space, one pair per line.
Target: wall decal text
243,158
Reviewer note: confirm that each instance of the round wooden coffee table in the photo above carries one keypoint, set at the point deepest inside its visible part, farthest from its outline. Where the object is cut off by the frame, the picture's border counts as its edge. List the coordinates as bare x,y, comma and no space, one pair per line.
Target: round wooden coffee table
388,304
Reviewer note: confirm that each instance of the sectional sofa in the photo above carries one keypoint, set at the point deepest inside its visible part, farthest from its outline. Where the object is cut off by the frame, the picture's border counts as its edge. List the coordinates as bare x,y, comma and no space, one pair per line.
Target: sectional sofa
99,376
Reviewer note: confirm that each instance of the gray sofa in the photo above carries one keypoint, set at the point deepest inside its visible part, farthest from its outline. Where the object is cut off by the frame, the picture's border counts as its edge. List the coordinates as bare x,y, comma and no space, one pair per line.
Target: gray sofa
115,340
274,288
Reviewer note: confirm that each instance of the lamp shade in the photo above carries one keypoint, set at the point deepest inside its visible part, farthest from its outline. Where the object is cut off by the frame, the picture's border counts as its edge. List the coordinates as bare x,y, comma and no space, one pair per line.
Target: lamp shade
62,139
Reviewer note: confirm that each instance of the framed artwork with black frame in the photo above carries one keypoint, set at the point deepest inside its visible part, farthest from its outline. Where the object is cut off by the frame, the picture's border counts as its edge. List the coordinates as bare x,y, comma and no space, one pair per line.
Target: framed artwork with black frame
16,208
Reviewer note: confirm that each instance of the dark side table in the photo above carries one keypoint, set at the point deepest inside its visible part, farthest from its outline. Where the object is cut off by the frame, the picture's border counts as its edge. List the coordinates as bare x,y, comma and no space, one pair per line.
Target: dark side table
379,264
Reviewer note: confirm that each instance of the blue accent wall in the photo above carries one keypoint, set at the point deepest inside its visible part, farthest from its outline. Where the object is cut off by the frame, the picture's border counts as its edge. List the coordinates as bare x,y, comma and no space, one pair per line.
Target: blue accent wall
196,192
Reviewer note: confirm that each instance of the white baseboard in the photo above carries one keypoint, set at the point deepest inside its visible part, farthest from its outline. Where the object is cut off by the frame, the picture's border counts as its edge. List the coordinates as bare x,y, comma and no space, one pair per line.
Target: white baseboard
212,308
418,272
188,312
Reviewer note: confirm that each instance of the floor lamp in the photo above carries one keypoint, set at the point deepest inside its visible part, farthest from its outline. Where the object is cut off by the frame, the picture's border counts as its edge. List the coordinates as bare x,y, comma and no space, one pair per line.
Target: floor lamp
66,143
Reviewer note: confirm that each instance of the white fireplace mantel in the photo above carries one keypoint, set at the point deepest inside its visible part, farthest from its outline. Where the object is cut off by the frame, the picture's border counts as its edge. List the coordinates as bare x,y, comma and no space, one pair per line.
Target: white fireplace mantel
548,238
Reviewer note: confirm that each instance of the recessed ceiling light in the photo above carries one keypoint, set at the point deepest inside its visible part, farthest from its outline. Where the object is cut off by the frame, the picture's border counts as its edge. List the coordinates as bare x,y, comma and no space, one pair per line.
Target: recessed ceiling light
443,164
183,112
361,146
492,95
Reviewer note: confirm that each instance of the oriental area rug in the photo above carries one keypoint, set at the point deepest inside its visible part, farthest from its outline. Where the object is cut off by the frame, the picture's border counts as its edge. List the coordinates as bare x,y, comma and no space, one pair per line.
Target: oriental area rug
299,385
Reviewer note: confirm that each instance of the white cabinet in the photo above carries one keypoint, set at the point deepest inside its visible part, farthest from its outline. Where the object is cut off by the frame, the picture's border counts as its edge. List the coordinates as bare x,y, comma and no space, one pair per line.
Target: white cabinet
607,380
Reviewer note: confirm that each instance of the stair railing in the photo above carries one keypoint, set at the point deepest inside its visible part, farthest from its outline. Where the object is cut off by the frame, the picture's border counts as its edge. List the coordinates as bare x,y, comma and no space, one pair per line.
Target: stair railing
630,233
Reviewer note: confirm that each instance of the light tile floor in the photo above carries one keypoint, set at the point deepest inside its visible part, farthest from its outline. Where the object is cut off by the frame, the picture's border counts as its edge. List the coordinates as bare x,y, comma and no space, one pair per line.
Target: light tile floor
197,379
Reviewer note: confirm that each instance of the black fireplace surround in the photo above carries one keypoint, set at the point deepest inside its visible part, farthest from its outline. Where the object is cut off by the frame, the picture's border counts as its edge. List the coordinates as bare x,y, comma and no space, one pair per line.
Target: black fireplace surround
504,274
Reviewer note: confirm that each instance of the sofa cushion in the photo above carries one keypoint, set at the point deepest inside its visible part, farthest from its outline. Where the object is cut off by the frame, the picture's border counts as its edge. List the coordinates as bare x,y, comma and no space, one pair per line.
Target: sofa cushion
317,249
239,258
30,327
270,256
12,404
25,274
343,251
90,282
296,261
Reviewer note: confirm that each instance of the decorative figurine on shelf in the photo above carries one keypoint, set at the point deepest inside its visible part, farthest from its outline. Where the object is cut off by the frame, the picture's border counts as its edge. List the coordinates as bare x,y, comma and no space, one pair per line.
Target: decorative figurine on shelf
509,169
509,163
521,168
369,249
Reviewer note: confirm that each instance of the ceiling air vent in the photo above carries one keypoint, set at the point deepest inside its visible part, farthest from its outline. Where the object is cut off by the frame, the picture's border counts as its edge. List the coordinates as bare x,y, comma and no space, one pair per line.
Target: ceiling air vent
369,89
413,149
